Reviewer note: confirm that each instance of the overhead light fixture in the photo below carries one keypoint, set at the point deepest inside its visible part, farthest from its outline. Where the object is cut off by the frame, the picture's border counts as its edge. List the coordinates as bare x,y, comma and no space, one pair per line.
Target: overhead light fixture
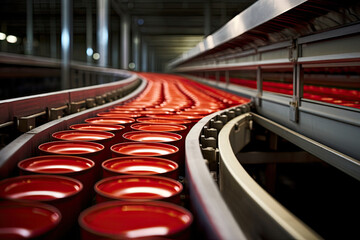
96,56
2,36
89,52
11,39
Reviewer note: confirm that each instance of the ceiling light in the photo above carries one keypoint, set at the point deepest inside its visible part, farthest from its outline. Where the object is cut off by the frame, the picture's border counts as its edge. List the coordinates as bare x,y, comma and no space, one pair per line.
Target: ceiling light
11,39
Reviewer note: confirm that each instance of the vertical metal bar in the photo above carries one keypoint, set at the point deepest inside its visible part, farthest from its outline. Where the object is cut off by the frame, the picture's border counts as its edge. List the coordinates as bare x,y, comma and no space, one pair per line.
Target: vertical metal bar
259,81
125,33
89,32
103,31
299,83
29,27
207,18
227,79
136,51
53,49
65,43
152,61
115,43
144,56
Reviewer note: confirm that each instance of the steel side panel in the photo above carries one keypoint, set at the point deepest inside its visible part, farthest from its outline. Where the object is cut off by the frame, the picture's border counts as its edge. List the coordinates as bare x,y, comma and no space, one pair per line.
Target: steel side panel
26,145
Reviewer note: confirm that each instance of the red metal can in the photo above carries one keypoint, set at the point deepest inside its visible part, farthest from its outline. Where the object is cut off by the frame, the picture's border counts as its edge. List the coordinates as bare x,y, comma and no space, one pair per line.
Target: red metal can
140,166
138,188
124,220
61,192
146,150
31,220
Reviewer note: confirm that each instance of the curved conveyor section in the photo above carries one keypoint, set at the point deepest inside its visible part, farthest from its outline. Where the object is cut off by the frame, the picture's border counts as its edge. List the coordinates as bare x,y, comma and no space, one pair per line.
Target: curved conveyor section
208,204
255,210
21,147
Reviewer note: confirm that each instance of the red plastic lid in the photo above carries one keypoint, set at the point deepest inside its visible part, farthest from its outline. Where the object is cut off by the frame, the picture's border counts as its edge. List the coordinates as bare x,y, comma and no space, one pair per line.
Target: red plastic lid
71,147
144,149
30,220
138,187
55,164
118,219
81,135
162,121
139,165
39,187
110,120
140,136
121,115
158,127
96,127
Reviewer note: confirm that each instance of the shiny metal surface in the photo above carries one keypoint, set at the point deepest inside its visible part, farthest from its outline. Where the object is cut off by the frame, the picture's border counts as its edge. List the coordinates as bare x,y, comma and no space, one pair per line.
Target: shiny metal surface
257,14
208,203
255,210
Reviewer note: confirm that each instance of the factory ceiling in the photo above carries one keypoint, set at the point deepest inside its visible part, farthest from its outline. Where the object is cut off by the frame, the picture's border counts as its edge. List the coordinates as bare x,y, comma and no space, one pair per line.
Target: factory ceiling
168,27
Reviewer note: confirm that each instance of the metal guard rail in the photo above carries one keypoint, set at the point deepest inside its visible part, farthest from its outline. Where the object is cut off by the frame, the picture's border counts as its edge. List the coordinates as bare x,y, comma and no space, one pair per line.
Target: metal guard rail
207,203
23,111
255,210
25,145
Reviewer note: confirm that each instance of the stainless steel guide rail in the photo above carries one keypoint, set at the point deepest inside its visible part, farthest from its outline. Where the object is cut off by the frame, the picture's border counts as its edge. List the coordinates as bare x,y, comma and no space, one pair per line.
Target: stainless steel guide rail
296,37
24,145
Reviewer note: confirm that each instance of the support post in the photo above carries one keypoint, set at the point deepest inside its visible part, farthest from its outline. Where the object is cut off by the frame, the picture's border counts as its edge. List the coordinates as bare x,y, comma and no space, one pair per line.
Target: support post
89,32
125,33
259,83
65,43
103,31
144,51
29,27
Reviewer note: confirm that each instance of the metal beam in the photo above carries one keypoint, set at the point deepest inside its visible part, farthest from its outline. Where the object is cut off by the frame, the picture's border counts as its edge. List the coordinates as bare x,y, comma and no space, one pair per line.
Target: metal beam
65,43
103,31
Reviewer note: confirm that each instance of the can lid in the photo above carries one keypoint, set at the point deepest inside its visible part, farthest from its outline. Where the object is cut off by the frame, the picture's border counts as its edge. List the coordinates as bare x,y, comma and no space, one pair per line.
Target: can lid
148,136
71,147
39,187
55,164
128,187
158,127
78,135
144,149
110,120
162,120
96,127
27,220
119,219
140,165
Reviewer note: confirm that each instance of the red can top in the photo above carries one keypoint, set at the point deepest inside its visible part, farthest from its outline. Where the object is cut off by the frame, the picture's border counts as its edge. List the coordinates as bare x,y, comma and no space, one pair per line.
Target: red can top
140,136
177,116
138,187
162,121
27,220
39,187
82,135
96,127
119,114
144,149
71,147
55,164
110,120
117,219
139,165
158,127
